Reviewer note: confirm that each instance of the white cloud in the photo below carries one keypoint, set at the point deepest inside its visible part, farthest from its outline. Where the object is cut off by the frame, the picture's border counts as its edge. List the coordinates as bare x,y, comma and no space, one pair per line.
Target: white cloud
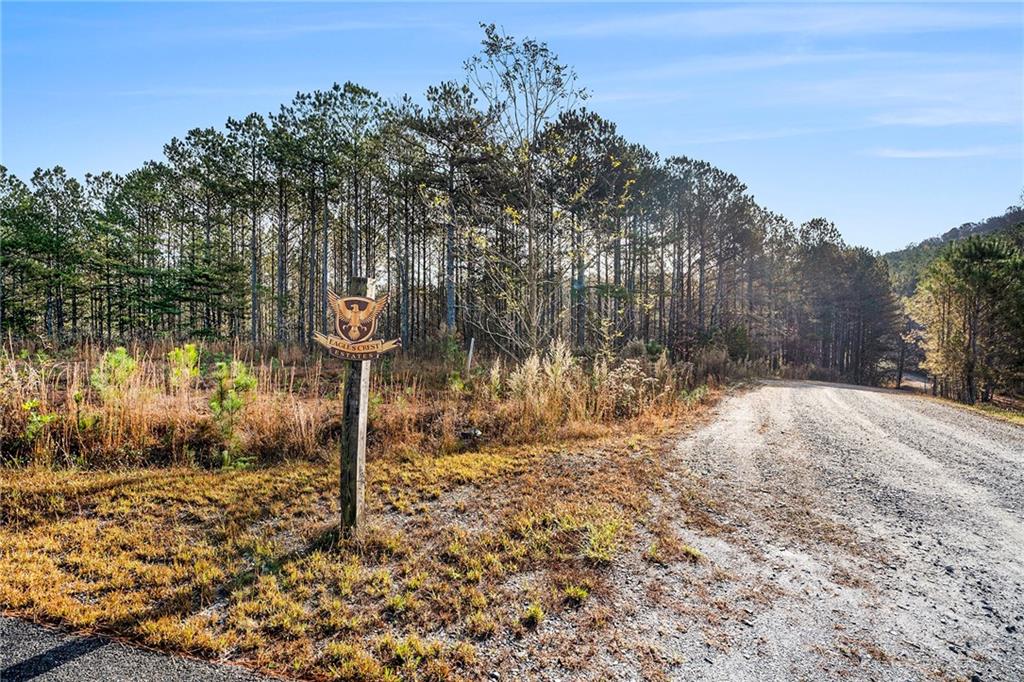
292,30
643,96
717,137
936,117
918,98
699,66
191,91
958,153
889,88
901,84
812,20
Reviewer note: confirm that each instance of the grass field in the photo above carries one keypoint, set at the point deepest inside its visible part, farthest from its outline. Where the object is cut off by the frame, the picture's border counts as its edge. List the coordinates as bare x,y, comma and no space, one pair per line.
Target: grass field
469,545
246,565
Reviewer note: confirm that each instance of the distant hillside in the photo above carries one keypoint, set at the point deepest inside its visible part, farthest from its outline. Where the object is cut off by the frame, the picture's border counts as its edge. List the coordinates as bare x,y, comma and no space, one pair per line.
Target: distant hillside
908,264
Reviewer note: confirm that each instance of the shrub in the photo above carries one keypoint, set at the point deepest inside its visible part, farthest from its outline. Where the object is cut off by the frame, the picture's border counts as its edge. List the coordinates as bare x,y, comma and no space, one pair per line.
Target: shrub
234,383
183,365
110,377
35,425
635,349
451,350
111,409
455,383
655,349
36,420
629,388
695,396
712,361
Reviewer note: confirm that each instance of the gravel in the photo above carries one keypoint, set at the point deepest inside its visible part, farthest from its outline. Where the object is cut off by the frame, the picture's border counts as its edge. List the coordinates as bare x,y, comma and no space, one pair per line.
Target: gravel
32,652
852,533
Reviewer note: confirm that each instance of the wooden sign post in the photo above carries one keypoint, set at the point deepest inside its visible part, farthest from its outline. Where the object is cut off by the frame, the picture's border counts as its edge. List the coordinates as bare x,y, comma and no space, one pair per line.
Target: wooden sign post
355,321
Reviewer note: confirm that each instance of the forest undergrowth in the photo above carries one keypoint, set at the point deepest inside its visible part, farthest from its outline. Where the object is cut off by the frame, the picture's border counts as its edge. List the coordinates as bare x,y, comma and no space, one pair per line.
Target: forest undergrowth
185,498
220,406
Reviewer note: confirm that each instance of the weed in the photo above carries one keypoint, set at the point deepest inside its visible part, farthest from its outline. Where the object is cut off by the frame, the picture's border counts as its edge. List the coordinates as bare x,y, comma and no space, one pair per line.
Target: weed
524,381
350,662
479,625
655,554
494,379
666,547
691,553
455,383
464,654
601,541
406,652
398,604
532,616
575,594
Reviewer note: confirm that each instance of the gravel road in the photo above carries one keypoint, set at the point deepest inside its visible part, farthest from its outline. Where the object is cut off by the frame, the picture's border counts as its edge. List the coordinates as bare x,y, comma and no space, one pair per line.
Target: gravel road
849,533
31,652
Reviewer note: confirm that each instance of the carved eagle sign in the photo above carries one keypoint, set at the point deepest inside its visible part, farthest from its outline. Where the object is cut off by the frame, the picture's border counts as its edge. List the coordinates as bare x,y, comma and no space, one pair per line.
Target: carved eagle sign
355,317
355,321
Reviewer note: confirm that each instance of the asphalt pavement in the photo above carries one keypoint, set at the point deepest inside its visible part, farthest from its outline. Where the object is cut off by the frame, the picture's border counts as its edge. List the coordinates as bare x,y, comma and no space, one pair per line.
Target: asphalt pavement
32,652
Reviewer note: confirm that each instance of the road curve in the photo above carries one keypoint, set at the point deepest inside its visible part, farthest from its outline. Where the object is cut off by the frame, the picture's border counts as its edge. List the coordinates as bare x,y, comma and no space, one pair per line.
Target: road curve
854,533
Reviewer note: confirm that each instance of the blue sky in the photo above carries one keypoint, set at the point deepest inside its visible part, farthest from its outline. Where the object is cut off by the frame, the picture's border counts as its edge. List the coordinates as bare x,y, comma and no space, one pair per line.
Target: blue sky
897,121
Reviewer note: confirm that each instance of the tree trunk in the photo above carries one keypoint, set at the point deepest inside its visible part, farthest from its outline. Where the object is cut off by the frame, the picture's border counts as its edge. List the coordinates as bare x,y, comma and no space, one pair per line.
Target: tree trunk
282,259
449,255
254,312
324,262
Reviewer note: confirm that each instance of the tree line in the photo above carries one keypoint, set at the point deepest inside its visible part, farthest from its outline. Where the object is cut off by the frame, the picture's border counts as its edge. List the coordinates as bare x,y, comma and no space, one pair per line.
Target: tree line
969,302
498,207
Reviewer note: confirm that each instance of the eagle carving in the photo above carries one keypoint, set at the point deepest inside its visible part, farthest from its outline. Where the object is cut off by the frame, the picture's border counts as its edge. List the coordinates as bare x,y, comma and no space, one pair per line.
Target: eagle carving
355,317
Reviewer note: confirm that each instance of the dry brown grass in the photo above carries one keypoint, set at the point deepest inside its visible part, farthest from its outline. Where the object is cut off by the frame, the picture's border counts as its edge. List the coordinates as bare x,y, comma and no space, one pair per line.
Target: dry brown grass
243,565
1006,410
469,543
666,547
53,412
